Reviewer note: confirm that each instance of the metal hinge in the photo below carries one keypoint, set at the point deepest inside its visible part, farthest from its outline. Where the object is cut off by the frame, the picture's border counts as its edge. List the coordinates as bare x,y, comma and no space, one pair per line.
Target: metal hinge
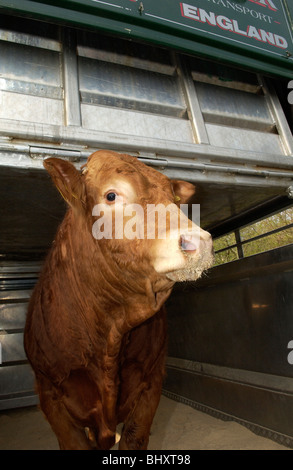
42,152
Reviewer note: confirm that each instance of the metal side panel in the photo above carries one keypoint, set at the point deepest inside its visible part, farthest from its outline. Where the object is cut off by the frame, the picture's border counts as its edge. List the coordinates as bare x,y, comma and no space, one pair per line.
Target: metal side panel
12,348
99,118
76,88
229,350
30,108
16,375
31,83
17,387
243,139
134,88
234,107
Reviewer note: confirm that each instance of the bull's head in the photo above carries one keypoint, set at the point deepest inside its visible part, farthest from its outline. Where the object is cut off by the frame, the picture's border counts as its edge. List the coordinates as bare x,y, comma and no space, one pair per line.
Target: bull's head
137,212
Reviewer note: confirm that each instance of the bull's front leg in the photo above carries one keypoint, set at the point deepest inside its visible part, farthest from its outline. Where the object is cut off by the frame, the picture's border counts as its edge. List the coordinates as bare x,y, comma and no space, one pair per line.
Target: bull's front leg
137,426
142,372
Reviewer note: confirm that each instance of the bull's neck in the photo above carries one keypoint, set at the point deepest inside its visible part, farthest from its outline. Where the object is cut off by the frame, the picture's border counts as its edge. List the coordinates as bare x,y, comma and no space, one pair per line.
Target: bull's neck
108,286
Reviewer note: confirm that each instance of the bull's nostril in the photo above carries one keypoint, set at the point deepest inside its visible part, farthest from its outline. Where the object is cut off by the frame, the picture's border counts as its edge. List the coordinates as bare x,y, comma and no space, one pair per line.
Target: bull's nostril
188,243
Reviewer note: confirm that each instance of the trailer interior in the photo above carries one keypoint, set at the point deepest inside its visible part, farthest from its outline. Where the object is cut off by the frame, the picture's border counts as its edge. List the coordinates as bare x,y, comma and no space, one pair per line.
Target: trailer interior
67,91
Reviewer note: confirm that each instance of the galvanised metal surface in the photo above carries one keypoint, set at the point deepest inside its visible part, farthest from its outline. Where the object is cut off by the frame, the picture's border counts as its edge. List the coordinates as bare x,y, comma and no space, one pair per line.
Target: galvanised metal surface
255,33
16,376
79,89
229,344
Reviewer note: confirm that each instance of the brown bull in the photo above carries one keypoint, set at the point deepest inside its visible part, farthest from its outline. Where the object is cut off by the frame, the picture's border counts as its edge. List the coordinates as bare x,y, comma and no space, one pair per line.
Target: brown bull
96,326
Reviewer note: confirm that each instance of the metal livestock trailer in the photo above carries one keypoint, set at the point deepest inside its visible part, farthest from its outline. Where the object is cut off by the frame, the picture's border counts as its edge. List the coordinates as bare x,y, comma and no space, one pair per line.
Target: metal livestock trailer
200,91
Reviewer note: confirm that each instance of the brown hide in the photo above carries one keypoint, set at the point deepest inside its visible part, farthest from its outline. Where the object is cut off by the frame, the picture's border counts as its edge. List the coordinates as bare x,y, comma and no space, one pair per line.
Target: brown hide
96,325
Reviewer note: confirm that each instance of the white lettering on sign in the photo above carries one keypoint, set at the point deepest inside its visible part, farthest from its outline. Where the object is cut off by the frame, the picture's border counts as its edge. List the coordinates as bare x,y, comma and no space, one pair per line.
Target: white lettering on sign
244,10
227,24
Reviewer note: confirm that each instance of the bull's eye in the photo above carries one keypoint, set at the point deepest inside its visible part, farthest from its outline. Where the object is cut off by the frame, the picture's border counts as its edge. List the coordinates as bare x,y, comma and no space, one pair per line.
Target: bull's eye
111,196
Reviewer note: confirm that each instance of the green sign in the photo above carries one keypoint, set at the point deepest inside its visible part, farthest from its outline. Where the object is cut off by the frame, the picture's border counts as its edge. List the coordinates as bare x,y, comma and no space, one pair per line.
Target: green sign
258,25
252,33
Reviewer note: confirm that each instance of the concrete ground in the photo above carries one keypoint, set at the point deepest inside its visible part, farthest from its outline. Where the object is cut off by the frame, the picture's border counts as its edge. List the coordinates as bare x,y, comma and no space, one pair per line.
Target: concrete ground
176,427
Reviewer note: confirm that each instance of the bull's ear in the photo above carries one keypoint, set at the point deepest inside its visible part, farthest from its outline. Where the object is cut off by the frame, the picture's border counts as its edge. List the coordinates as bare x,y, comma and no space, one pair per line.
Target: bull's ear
67,180
183,191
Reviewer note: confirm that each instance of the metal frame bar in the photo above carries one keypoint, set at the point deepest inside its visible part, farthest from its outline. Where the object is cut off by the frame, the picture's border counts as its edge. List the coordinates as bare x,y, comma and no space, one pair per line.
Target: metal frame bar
71,135
229,373
70,76
32,156
239,243
193,106
278,115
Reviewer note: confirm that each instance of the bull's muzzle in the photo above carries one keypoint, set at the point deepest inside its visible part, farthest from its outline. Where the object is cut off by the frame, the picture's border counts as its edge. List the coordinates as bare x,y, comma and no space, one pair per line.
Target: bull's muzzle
196,242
